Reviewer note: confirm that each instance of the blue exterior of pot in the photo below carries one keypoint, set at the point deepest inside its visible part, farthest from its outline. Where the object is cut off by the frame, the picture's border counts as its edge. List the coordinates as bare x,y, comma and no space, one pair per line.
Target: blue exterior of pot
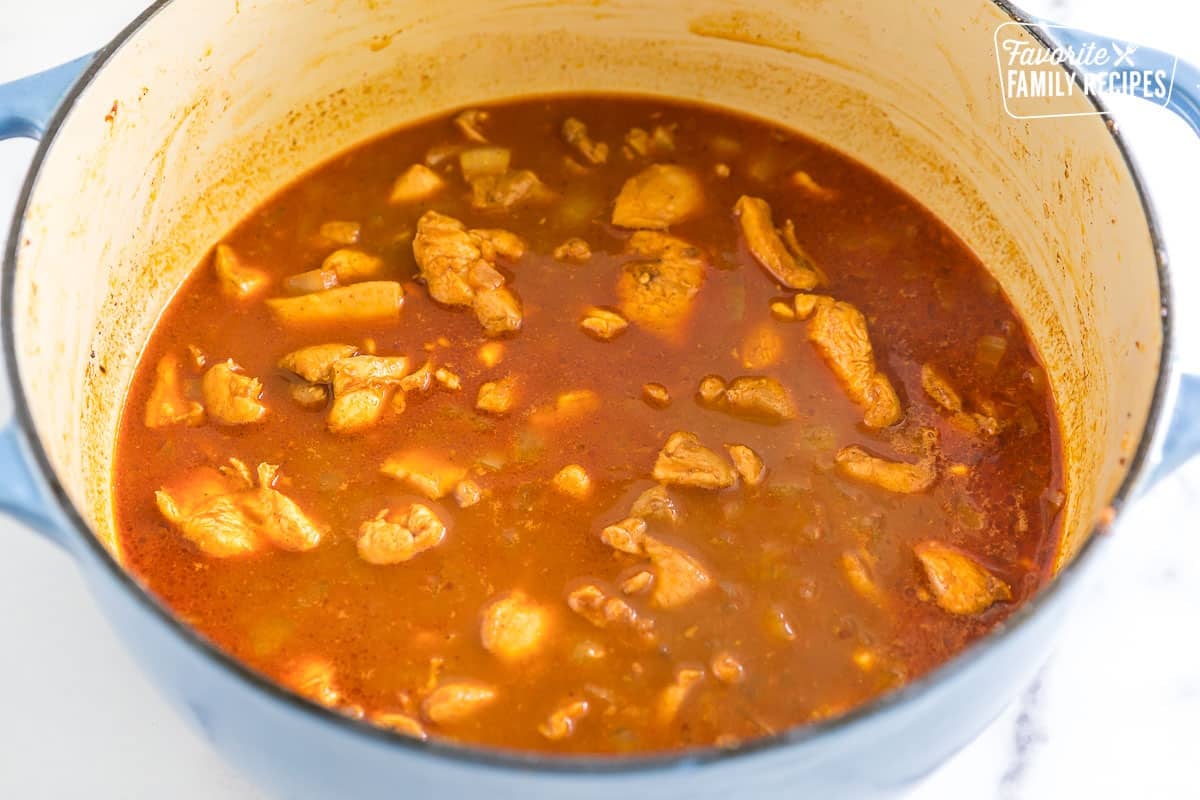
301,750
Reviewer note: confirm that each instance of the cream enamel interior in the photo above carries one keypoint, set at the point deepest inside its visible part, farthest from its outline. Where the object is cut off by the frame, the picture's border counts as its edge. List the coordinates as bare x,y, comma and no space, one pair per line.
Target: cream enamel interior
214,106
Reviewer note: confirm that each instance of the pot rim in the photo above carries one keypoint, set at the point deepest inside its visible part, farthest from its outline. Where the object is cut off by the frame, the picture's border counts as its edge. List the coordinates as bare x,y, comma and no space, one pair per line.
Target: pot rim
532,762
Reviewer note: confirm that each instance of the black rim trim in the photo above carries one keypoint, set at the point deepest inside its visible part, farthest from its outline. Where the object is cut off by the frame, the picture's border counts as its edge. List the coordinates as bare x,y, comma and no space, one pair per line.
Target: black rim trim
520,760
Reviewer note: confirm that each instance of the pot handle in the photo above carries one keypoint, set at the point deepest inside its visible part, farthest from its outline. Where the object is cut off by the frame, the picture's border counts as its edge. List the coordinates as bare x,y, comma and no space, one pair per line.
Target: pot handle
1182,438
1183,96
26,106
22,495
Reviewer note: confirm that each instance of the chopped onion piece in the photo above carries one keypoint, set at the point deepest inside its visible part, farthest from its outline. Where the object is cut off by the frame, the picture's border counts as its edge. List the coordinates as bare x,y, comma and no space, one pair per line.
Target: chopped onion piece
315,280
989,350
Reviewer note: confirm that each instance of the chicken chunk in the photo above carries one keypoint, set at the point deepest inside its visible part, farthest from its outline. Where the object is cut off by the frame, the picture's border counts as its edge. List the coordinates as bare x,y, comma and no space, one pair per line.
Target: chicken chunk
655,505
315,363
467,493
960,585
626,535
672,698
361,388
573,481
711,390
760,398
592,603
451,261
562,721
893,476
371,301
656,395
459,268
223,513
496,243
206,511
603,324
678,577
395,537
352,373
638,583
231,397
168,405
415,184
513,626
499,311
575,133
727,669
683,461
640,142
749,464
425,473
944,395
839,332
754,397
456,701
658,197
497,397
604,609
657,288
361,384
358,410
282,522
237,280
795,271
509,190
574,250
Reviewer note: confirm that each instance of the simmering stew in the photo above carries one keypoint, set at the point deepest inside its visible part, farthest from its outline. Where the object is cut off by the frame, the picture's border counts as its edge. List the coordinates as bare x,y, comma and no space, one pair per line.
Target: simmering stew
590,425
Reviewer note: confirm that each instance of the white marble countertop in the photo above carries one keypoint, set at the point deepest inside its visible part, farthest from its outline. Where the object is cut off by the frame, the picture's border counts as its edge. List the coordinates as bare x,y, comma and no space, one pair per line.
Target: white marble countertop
1111,716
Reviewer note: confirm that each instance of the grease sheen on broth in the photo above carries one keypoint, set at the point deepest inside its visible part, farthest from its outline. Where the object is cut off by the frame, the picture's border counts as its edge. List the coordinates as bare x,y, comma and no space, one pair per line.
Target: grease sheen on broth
452,551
